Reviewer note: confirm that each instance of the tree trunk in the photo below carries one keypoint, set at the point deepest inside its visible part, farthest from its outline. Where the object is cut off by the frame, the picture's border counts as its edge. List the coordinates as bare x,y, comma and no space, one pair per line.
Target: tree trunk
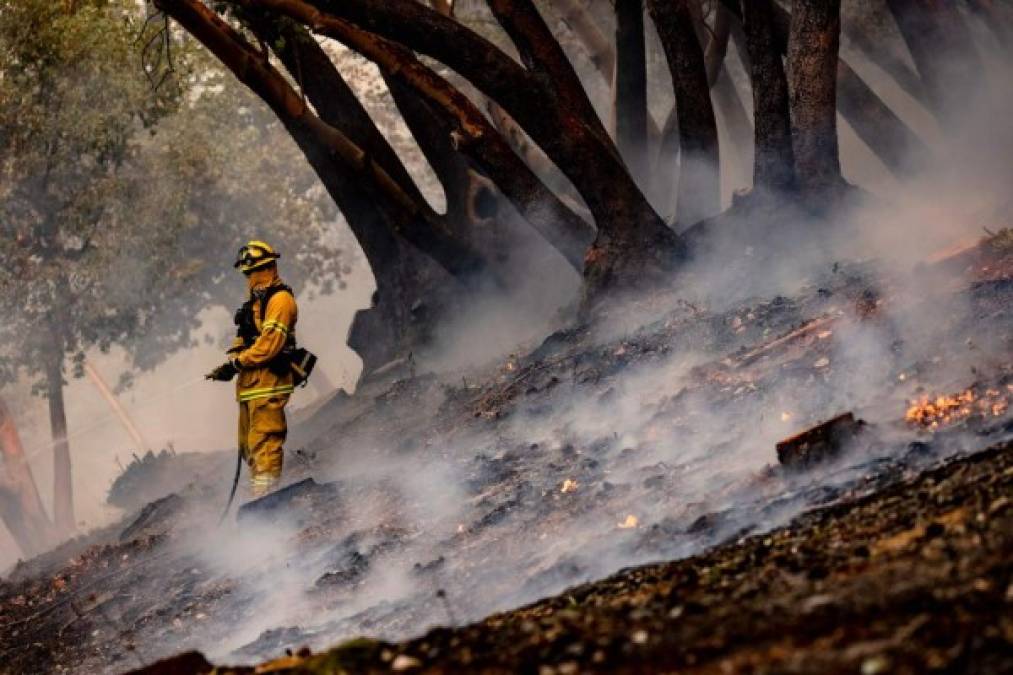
404,278
335,102
699,170
575,14
63,488
886,135
630,89
813,44
578,146
21,508
773,158
943,51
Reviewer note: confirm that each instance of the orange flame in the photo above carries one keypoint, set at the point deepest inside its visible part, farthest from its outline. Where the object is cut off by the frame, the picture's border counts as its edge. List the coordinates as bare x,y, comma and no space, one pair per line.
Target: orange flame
940,411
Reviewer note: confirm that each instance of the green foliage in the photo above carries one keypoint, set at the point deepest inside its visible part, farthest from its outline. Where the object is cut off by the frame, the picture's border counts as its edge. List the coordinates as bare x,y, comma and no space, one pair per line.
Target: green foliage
121,207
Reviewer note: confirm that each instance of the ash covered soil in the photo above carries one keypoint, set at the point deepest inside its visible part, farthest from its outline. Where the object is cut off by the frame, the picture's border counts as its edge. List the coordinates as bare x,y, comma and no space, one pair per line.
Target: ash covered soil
437,500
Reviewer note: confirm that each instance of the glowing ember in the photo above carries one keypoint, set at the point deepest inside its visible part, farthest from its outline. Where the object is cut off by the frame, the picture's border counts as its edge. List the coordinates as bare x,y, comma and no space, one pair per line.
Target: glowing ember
630,522
933,413
569,485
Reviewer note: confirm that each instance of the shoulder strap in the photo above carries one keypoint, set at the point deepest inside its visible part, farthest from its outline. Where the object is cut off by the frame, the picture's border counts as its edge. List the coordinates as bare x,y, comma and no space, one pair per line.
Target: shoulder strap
268,294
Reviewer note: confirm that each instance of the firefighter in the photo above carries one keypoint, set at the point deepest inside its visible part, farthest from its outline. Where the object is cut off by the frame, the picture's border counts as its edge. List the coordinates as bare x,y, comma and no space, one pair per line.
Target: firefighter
259,356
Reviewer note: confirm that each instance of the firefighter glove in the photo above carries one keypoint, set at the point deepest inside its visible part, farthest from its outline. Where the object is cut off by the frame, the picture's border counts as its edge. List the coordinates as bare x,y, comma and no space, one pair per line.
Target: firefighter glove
223,373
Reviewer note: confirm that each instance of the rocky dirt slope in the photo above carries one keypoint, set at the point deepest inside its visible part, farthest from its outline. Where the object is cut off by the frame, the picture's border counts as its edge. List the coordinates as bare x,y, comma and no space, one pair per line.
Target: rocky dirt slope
648,435
914,578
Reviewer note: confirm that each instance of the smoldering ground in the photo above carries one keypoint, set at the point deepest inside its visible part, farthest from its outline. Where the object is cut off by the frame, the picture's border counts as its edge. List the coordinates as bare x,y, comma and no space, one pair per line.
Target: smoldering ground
633,439
646,435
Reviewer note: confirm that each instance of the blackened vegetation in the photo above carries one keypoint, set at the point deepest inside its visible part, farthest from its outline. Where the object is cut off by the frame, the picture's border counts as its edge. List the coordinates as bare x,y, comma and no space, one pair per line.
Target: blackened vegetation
439,500
913,577
542,171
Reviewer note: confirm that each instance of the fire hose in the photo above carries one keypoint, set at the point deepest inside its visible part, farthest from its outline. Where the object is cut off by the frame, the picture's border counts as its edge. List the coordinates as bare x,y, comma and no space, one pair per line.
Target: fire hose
235,483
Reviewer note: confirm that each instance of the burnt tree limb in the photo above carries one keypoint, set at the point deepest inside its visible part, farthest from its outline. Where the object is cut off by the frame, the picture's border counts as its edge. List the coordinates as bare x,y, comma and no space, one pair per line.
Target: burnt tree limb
625,220
472,134
545,60
699,180
322,144
334,101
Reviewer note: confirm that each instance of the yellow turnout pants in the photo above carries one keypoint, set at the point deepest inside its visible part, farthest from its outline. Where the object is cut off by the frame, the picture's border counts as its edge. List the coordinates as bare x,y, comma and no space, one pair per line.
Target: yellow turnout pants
262,431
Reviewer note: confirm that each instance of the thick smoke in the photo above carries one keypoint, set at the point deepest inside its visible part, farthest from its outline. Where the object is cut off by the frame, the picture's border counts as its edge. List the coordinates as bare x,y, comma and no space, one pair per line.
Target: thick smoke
608,468
588,456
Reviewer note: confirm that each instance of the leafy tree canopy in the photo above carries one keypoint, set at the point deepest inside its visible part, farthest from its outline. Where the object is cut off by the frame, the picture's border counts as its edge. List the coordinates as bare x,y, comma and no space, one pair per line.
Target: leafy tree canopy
122,205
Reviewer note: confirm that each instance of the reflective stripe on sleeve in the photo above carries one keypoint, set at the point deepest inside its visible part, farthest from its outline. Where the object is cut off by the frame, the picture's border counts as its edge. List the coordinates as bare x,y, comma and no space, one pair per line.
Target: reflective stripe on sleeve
265,392
277,325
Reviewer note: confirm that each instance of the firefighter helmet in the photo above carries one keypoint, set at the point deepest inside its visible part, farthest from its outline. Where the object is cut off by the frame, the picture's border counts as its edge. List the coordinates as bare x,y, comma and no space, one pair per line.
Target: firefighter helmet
255,255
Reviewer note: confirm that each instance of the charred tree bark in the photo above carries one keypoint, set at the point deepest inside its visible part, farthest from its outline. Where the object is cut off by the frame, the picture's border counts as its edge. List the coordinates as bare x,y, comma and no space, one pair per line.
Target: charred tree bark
630,88
773,158
389,327
627,225
332,98
544,57
473,201
813,44
332,154
21,508
599,48
886,135
699,175
467,191
942,49
481,187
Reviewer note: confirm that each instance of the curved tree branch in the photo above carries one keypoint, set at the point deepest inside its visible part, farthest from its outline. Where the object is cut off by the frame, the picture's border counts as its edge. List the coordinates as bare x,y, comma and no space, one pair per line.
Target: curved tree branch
322,143
544,56
332,98
620,209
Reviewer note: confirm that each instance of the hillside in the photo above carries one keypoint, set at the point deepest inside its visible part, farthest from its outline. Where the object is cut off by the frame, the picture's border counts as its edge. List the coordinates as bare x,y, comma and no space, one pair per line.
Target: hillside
650,434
